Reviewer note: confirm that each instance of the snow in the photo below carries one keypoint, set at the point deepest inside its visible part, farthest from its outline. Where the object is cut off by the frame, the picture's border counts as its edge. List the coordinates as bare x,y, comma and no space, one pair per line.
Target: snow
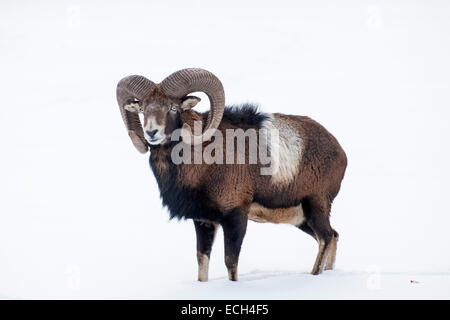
80,215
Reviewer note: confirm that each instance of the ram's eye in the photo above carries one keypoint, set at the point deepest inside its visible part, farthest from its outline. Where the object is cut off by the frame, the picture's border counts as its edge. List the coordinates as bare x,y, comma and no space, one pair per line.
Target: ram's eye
173,109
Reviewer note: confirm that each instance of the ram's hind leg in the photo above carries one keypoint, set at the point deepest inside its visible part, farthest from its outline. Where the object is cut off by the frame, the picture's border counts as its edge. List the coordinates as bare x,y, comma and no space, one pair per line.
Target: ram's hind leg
205,238
317,221
307,229
332,252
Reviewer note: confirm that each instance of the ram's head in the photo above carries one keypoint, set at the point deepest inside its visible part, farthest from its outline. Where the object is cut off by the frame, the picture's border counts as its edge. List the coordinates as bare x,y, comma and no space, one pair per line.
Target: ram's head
163,104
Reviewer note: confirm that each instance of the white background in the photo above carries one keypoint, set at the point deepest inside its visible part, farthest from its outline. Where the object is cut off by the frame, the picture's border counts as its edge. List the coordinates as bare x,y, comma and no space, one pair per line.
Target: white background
80,214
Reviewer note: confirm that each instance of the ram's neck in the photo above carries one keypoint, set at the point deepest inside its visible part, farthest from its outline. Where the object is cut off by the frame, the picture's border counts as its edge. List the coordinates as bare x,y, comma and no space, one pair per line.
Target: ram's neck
186,175
161,164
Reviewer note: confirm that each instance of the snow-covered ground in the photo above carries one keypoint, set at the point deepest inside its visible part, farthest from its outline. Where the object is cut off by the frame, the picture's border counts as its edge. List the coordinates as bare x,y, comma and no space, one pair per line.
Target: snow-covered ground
80,215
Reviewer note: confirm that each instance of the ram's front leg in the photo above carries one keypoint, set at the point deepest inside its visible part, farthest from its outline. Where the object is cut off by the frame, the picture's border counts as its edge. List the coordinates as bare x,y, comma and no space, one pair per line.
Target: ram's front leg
234,227
206,233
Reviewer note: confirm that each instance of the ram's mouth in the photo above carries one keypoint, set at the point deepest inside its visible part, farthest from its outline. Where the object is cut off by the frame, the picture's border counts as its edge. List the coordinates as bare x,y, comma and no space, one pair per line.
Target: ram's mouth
155,141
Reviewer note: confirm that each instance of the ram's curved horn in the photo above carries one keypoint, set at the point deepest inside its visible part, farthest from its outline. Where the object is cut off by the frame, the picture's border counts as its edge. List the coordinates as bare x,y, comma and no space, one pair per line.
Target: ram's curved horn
185,81
128,90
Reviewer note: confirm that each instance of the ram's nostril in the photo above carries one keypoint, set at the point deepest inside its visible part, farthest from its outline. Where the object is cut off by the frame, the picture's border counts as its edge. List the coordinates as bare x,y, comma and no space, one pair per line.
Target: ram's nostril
152,133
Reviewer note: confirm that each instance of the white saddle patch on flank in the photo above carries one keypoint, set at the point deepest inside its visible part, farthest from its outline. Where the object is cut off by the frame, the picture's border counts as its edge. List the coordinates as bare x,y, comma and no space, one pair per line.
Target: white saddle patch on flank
285,153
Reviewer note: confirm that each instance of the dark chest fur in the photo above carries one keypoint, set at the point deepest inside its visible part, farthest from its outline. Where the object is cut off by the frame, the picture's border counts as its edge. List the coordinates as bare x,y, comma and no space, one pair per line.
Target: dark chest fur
181,201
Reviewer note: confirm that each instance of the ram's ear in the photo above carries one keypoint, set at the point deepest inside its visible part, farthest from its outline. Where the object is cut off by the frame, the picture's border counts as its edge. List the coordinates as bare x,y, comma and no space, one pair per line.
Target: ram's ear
189,102
133,107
